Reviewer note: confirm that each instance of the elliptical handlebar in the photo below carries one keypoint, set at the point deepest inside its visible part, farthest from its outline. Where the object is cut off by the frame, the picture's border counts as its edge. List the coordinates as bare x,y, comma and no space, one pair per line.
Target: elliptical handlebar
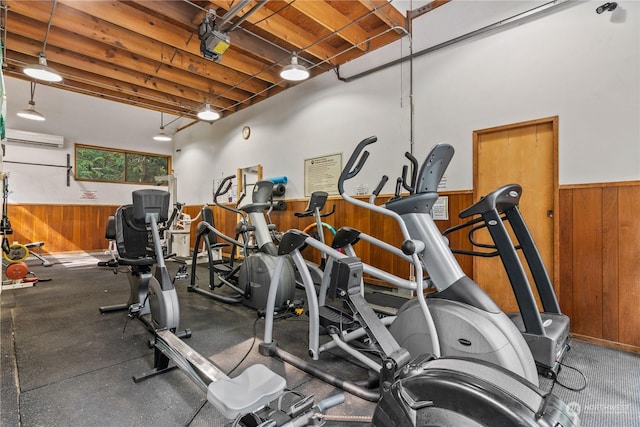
378,189
410,246
380,185
410,187
223,188
204,227
360,156
349,170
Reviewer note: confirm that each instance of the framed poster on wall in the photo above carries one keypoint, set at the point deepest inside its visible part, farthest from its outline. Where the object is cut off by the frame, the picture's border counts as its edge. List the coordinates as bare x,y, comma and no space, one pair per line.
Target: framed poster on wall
322,173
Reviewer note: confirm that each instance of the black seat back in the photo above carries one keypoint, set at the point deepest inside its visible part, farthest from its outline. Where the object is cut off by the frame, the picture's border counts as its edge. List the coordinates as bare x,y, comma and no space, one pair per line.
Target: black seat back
110,231
207,216
131,240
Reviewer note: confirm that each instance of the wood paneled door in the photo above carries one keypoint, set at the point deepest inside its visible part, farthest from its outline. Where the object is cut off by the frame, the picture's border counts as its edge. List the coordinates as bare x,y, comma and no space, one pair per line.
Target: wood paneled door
526,154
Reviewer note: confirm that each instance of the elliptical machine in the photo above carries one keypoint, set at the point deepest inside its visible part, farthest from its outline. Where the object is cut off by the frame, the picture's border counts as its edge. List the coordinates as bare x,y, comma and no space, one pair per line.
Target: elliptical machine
250,280
546,332
458,319
424,390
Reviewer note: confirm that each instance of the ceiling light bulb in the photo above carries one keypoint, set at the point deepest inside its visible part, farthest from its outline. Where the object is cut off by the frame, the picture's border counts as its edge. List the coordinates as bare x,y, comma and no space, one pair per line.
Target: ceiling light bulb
294,71
31,113
208,114
41,71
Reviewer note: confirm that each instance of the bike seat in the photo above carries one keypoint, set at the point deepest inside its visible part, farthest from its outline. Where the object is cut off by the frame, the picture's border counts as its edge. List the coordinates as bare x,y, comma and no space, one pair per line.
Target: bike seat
138,262
249,391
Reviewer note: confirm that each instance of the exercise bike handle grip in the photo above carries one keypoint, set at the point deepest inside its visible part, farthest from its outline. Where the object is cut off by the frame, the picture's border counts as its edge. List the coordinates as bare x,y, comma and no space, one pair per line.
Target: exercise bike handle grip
349,170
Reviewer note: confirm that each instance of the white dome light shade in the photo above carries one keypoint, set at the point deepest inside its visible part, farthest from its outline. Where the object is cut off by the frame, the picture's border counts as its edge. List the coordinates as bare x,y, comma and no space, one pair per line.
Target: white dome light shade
41,71
162,137
31,113
294,72
208,114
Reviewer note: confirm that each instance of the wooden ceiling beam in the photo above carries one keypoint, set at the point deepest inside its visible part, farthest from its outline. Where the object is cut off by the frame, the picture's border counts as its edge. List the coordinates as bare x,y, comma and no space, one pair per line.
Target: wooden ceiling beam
413,14
138,47
177,11
191,17
332,20
110,93
136,21
147,53
89,70
386,12
284,30
116,63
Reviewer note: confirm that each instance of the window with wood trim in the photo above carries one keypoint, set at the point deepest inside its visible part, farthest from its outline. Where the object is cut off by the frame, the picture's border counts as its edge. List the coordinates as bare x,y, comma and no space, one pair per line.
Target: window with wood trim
119,166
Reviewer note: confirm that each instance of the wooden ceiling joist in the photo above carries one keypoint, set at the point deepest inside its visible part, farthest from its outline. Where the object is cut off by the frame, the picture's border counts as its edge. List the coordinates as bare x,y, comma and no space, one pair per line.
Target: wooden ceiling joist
147,53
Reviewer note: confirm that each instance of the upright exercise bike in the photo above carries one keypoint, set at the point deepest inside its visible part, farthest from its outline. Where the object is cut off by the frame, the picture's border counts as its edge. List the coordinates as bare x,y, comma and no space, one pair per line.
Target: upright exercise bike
153,298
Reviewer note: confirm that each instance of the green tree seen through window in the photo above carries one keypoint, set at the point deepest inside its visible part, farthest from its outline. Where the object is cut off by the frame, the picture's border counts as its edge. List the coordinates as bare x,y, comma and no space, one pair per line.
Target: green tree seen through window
104,164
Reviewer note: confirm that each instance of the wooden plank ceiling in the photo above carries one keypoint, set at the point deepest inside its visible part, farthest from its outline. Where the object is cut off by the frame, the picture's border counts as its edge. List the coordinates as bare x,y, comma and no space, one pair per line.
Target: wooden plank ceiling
147,53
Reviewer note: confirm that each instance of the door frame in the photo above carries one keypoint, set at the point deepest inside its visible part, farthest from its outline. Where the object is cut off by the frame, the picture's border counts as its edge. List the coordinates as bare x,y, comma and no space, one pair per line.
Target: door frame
554,120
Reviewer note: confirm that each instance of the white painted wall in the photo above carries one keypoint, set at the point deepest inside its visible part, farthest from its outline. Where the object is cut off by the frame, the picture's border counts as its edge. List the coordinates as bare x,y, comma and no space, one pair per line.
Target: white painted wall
316,118
573,63
80,119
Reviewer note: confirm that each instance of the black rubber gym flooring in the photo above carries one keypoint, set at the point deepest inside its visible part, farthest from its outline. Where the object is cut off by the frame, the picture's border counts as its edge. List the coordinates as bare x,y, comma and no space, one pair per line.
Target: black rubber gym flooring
65,364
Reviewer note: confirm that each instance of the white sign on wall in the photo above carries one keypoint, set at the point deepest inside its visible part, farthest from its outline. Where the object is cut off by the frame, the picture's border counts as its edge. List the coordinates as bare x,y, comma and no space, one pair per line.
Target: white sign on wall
322,173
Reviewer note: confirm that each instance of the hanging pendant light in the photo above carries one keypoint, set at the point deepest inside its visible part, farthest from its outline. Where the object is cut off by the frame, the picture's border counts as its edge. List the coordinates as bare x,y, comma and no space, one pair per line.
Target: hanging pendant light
161,136
31,113
208,114
294,72
41,71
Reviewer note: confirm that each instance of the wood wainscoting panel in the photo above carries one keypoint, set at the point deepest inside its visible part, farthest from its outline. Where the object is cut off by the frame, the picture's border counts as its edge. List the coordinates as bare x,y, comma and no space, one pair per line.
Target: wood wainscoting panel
599,246
63,228
610,276
587,262
565,256
628,265
599,258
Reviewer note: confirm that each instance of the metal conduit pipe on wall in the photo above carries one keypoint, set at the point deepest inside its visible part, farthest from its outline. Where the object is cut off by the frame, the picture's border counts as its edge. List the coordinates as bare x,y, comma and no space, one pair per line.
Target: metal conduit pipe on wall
529,14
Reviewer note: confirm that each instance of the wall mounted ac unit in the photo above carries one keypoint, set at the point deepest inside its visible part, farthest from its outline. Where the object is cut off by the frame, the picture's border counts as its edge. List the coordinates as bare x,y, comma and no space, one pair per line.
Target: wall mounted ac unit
16,136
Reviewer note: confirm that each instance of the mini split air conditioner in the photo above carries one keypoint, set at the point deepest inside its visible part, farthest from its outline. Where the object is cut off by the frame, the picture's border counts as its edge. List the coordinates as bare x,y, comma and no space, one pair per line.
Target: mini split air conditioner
34,138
